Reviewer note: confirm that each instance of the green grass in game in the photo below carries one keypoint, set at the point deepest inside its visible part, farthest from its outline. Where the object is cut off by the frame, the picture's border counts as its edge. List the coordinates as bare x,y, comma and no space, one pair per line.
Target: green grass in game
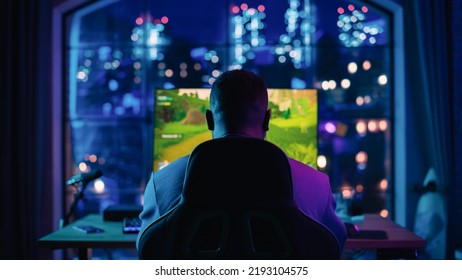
181,126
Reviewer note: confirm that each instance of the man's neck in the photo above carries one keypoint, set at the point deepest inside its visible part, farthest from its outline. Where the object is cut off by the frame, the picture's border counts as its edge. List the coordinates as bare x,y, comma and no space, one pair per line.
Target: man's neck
241,135
248,134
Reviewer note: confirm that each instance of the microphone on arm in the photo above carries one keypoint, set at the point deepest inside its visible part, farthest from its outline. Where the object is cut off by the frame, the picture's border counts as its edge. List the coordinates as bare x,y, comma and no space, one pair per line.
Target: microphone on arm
84,177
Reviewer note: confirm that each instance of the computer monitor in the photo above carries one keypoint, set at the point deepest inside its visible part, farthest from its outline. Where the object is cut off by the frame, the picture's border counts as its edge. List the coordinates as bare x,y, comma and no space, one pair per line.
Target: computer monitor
180,125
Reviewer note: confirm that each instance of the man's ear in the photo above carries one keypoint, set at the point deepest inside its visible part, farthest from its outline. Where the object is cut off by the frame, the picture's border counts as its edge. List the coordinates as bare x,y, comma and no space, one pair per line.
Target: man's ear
266,120
209,118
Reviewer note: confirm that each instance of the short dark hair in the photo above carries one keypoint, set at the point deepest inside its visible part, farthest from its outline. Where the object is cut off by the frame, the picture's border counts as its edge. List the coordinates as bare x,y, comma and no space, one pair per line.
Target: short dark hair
239,97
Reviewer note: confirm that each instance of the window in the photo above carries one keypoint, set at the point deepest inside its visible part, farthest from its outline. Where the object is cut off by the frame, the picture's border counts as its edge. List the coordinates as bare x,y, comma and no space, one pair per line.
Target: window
118,52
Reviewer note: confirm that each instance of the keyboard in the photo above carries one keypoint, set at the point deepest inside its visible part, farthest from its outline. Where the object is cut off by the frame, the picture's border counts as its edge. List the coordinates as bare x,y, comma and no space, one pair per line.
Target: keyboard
131,225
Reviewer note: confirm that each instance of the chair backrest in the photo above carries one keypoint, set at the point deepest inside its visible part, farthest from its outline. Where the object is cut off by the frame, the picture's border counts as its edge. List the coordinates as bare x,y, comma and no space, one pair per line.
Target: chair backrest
237,203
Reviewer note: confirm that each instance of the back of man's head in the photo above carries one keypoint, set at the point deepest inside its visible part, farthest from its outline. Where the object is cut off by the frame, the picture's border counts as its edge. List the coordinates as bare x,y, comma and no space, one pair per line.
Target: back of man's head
239,99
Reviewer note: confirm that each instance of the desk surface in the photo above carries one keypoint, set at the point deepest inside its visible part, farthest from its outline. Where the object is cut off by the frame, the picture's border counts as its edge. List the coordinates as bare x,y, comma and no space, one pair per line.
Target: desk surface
397,236
68,237
113,237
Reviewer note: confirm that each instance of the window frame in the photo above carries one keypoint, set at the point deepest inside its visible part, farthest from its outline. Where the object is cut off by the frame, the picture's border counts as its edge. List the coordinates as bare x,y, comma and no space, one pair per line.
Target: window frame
397,120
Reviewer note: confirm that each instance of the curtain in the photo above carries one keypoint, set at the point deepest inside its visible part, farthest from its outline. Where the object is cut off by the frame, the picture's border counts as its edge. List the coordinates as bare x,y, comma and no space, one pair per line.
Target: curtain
26,128
428,81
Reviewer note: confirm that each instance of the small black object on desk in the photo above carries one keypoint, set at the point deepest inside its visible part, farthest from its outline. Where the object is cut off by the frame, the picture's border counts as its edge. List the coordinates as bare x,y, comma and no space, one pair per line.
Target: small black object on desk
354,232
352,229
118,212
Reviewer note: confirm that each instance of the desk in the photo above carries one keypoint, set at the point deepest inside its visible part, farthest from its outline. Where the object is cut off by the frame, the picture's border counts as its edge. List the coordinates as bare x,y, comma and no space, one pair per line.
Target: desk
401,243
68,237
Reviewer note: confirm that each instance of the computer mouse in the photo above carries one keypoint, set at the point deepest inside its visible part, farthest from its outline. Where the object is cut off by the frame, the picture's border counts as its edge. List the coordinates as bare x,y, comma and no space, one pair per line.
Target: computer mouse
352,229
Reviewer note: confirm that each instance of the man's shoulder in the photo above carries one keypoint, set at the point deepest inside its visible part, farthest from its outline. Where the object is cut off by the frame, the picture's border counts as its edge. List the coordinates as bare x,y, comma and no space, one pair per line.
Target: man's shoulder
179,163
301,168
171,174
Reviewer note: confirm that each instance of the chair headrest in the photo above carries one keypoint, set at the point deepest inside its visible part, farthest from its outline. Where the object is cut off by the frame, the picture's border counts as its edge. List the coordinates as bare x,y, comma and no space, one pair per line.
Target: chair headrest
244,169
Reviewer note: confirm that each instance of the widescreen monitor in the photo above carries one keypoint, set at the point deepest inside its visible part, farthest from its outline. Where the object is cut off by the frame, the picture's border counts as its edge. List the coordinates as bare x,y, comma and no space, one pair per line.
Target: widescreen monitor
180,125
